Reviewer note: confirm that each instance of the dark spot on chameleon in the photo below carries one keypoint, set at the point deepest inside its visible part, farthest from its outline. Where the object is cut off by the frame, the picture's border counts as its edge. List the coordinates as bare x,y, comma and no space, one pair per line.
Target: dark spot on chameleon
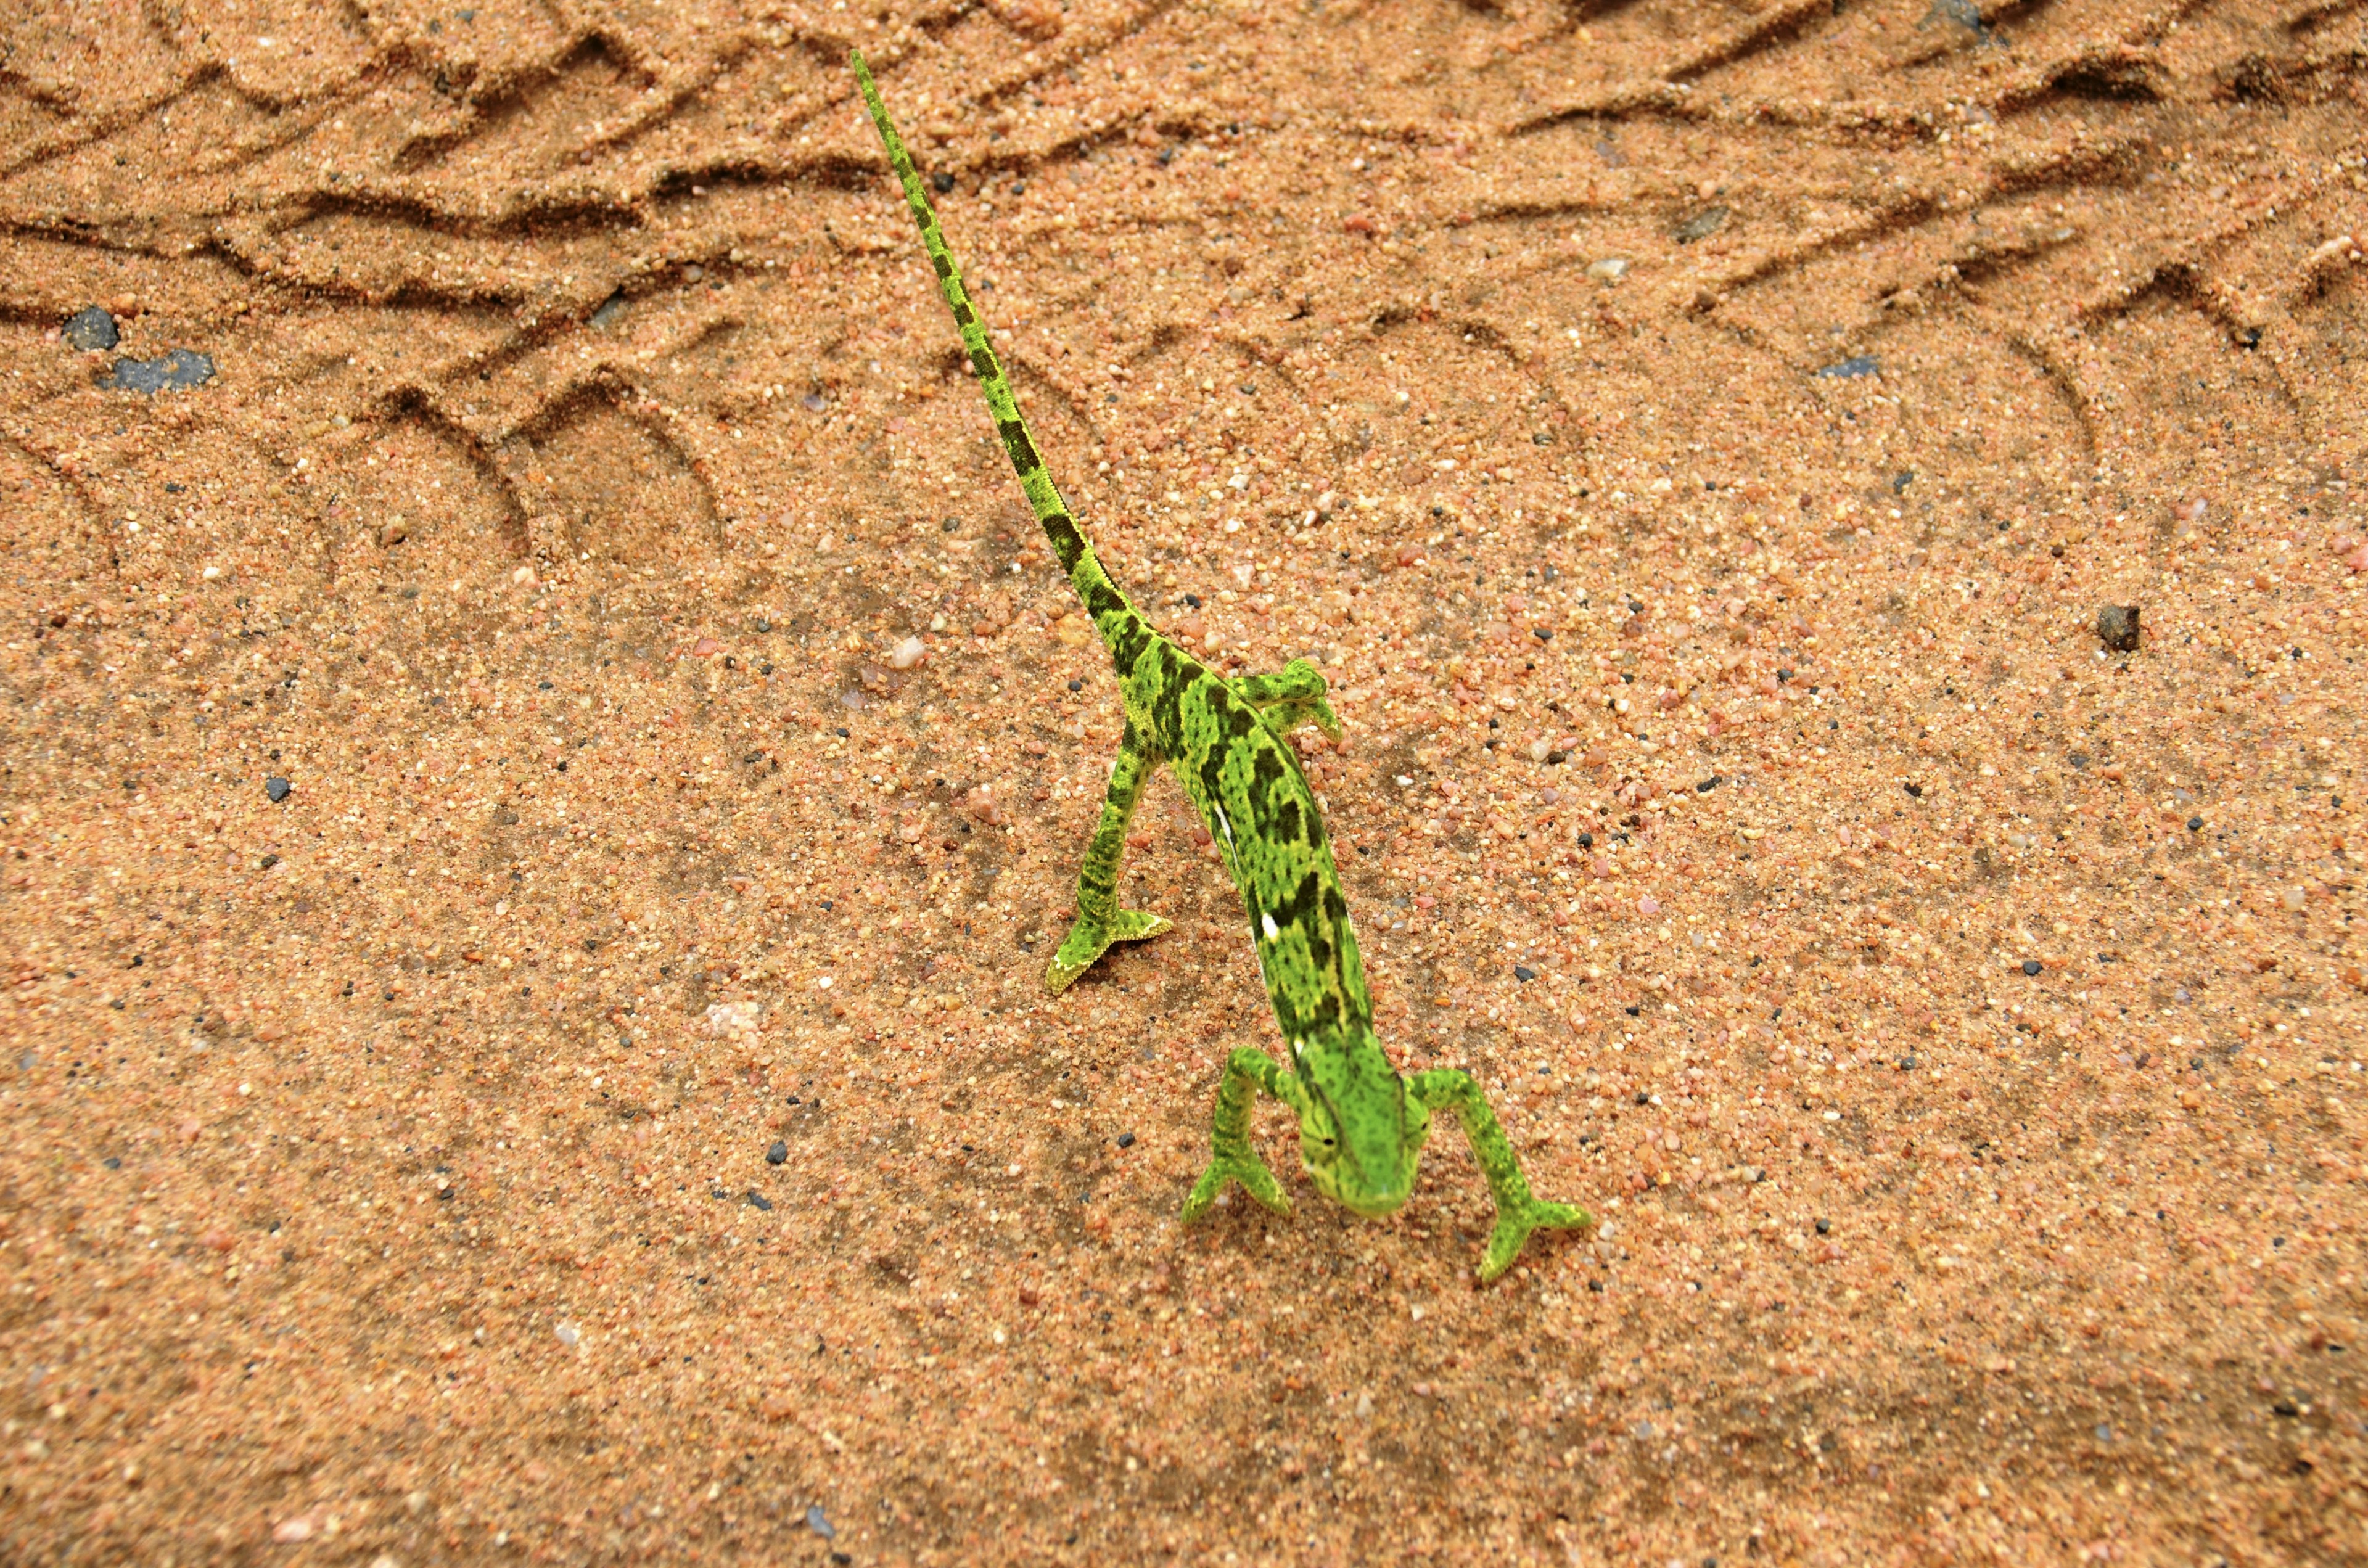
965,316
983,361
1024,453
944,263
1067,543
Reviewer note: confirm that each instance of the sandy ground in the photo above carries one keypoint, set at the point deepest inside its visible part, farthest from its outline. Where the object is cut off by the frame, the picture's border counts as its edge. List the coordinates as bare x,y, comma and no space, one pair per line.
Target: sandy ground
522,1030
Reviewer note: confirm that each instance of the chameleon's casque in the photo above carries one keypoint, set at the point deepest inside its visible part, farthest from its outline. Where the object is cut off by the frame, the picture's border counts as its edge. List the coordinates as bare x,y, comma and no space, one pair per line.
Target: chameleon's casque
1361,1124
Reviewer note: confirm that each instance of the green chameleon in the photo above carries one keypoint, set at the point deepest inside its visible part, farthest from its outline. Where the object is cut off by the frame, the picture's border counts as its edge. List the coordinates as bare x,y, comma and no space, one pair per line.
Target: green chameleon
1361,1126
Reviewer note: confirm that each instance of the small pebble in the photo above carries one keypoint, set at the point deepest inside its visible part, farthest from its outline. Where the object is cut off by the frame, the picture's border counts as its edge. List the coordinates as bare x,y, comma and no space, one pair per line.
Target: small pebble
1702,225
907,654
175,371
1857,365
1608,269
1126,1140
777,1154
818,1522
758,1200
2117,628
276,787
90,328
1523,973
814,403
569,1334
2195,824
1825,1227
2032,966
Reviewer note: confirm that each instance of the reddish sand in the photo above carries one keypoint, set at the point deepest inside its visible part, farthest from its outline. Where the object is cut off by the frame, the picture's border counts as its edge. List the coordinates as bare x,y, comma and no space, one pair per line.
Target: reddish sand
1696,443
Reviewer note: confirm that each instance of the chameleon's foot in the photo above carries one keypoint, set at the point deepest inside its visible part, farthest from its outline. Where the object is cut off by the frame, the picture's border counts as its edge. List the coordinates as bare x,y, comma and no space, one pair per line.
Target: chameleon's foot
1245,1168
1089,940
1514,1224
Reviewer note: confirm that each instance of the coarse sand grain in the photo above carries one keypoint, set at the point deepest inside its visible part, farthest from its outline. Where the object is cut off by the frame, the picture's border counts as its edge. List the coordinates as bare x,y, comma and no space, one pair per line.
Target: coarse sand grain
540,758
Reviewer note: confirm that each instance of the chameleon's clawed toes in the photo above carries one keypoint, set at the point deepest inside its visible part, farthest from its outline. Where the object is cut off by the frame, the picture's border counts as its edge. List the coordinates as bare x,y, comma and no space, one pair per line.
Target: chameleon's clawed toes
1248,1169
1089,940
1513,1227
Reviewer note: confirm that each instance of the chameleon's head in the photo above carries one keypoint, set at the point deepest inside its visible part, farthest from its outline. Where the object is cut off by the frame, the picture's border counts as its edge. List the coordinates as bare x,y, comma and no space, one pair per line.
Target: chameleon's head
1364,1133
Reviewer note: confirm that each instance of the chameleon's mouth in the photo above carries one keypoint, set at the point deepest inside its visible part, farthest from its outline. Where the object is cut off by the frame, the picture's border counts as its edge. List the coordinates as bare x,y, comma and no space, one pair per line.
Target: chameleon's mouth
1367,1201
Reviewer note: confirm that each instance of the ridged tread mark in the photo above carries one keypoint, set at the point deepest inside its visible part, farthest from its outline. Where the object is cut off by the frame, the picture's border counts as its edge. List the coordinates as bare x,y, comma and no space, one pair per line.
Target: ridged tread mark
2065,380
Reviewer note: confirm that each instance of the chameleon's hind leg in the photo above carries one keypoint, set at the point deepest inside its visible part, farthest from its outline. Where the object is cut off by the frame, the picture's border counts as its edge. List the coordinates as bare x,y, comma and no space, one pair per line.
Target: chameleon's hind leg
1517,1213
1231,1157
1291,697
1099,920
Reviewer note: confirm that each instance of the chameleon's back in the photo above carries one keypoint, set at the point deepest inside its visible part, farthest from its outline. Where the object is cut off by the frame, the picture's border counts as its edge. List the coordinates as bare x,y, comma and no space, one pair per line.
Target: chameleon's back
1249,791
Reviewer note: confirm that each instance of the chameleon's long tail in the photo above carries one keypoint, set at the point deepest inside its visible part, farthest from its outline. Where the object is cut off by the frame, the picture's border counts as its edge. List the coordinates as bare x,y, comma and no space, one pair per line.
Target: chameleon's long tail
1122,629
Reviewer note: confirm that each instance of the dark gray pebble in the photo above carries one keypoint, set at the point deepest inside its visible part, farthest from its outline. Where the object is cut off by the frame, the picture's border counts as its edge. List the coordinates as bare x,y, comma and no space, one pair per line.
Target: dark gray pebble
175,371
2033,966
276,788
778,1154
1702,225
1126,1140
2195,824
2117,628
758,1200
1825,1227
1524,974
91,327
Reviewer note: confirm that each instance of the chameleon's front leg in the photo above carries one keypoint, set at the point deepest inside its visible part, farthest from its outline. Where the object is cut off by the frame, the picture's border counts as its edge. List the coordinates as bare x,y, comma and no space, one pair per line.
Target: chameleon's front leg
1517,1213
1099,920
1289,698
1231,1157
